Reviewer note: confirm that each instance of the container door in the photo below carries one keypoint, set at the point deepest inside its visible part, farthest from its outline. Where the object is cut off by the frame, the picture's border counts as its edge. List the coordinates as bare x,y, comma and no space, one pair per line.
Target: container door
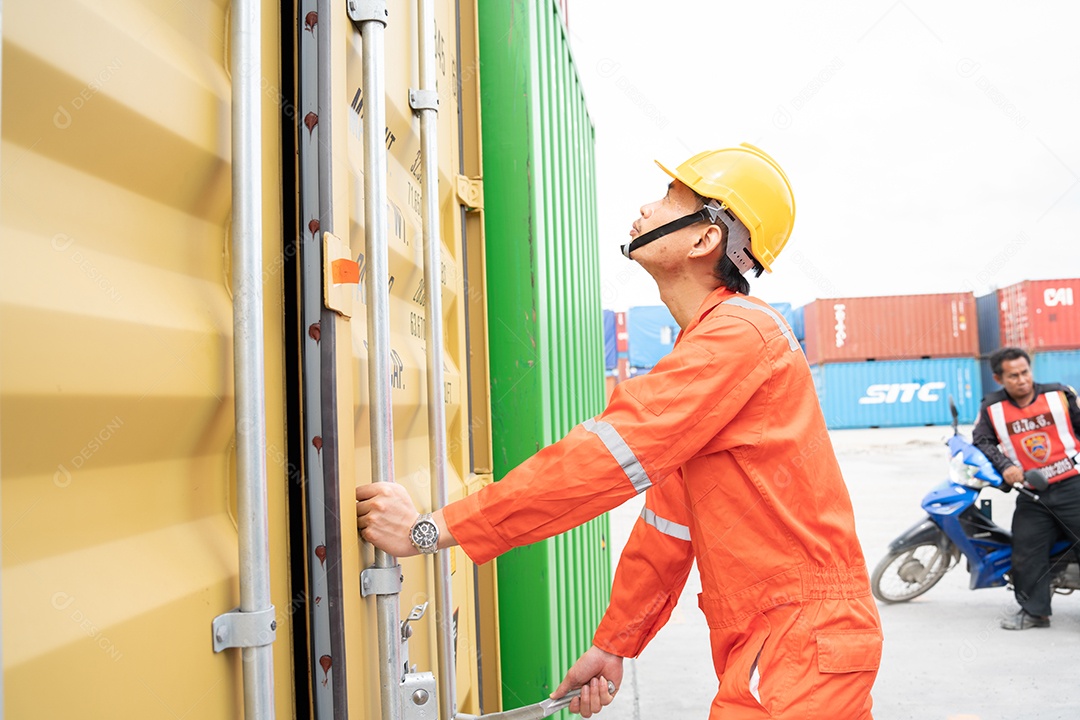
116,395
332,99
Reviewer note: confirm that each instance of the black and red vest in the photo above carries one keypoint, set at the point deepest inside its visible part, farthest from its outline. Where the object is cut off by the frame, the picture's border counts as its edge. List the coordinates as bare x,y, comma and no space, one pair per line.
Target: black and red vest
1039,436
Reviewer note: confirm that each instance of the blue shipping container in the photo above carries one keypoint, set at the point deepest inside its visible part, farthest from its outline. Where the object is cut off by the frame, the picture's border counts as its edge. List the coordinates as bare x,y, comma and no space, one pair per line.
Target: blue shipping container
988,309
798,323
652,332
897,393
1059,367
610,347
988,383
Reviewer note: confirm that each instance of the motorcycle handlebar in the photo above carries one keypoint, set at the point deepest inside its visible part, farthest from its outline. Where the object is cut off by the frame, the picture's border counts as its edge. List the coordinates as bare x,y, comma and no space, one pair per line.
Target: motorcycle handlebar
1036,479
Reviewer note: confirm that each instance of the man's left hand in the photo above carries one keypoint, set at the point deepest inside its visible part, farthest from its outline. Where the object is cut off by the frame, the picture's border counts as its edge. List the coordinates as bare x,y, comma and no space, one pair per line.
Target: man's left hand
385,515
1013,475
591,673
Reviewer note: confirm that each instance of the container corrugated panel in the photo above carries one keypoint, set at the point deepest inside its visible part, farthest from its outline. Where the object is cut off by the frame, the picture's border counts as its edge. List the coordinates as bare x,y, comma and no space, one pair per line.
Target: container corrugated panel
652,334
116,397
622,336
547,366
989,385
610,344
1059,367
622,347
798,322
891,328
1040,315
468,446
897,393
987,307
783,308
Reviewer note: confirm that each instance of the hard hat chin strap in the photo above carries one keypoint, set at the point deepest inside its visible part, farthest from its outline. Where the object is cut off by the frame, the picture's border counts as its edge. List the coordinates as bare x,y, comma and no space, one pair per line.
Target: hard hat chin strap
738,236
666,229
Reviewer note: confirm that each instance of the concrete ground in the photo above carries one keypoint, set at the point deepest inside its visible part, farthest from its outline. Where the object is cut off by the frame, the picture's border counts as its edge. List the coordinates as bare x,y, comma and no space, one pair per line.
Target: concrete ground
945,658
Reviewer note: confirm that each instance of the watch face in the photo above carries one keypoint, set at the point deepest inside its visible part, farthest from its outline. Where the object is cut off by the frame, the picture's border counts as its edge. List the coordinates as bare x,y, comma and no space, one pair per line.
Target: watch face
425,534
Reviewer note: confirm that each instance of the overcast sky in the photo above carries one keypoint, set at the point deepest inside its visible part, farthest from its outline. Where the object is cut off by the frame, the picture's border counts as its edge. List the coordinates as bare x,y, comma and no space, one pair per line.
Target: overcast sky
932,147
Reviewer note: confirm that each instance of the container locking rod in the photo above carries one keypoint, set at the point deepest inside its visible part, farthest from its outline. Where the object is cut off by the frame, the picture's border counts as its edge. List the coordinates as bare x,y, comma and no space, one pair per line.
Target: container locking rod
536,711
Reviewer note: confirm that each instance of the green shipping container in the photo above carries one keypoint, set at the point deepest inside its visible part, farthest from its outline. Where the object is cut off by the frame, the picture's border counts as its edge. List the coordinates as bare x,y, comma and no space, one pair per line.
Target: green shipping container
544,318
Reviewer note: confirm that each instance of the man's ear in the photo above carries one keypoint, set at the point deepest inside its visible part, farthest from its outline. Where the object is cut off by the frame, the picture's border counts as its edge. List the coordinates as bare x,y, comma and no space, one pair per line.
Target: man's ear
710,241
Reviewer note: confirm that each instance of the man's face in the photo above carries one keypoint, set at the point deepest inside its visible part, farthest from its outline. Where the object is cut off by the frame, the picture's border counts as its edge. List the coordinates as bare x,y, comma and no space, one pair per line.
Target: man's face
1016,378
679,201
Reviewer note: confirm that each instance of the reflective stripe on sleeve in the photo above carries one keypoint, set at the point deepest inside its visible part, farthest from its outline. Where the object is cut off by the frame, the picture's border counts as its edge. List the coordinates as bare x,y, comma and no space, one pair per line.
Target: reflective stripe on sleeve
744,303
621,452
669,528
997,417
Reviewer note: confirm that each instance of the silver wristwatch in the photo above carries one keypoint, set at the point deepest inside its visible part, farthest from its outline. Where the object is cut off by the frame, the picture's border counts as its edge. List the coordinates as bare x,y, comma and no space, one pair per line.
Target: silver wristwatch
425,534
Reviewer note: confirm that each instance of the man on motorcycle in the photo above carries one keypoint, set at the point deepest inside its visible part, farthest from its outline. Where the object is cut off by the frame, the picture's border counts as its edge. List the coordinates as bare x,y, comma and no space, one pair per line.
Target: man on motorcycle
726,438
1032,426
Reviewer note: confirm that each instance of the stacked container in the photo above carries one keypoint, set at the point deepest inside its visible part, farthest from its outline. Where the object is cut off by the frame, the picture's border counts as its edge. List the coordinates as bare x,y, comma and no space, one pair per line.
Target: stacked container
989,338
894,361
610,352
1040,316
622,348
652,333
611,355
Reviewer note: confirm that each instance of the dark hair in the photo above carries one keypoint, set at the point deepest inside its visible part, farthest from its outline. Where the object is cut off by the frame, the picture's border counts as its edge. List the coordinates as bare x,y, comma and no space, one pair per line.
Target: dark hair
725,271
999,357
729,274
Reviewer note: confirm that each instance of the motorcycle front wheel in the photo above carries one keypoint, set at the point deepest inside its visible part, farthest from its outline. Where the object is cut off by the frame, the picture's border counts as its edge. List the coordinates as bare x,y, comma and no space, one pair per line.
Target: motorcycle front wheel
908,573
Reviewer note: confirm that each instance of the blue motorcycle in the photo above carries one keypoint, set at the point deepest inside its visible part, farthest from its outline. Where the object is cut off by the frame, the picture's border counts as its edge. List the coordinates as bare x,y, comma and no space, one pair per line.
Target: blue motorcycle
957,524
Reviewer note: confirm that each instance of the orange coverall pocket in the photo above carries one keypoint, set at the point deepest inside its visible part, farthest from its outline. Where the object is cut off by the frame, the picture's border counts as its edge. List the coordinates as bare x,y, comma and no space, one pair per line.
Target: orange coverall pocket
844,651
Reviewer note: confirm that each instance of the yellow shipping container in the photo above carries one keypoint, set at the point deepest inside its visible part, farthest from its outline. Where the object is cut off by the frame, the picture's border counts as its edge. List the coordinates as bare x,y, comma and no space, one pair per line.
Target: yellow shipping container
117,421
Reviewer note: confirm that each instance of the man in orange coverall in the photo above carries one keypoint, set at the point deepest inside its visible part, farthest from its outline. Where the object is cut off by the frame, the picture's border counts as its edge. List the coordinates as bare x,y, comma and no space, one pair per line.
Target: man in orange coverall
726,438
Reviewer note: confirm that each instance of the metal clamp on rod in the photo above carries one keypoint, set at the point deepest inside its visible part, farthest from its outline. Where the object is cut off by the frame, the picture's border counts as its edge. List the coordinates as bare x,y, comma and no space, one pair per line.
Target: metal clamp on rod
419,691
424,100
380,581
367,10
537,711
419,697
244,629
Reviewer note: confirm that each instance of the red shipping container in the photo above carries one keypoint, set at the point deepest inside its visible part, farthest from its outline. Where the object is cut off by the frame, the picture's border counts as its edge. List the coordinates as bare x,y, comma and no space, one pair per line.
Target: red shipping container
1040,315
899,327
622,346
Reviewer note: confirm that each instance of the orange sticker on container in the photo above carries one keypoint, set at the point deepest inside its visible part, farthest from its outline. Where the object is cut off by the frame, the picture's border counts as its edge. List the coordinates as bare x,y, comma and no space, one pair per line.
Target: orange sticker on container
345,271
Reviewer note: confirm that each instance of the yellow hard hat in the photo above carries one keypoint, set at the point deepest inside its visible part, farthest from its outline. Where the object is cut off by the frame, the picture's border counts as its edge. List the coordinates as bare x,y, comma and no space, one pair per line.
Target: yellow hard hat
752,186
